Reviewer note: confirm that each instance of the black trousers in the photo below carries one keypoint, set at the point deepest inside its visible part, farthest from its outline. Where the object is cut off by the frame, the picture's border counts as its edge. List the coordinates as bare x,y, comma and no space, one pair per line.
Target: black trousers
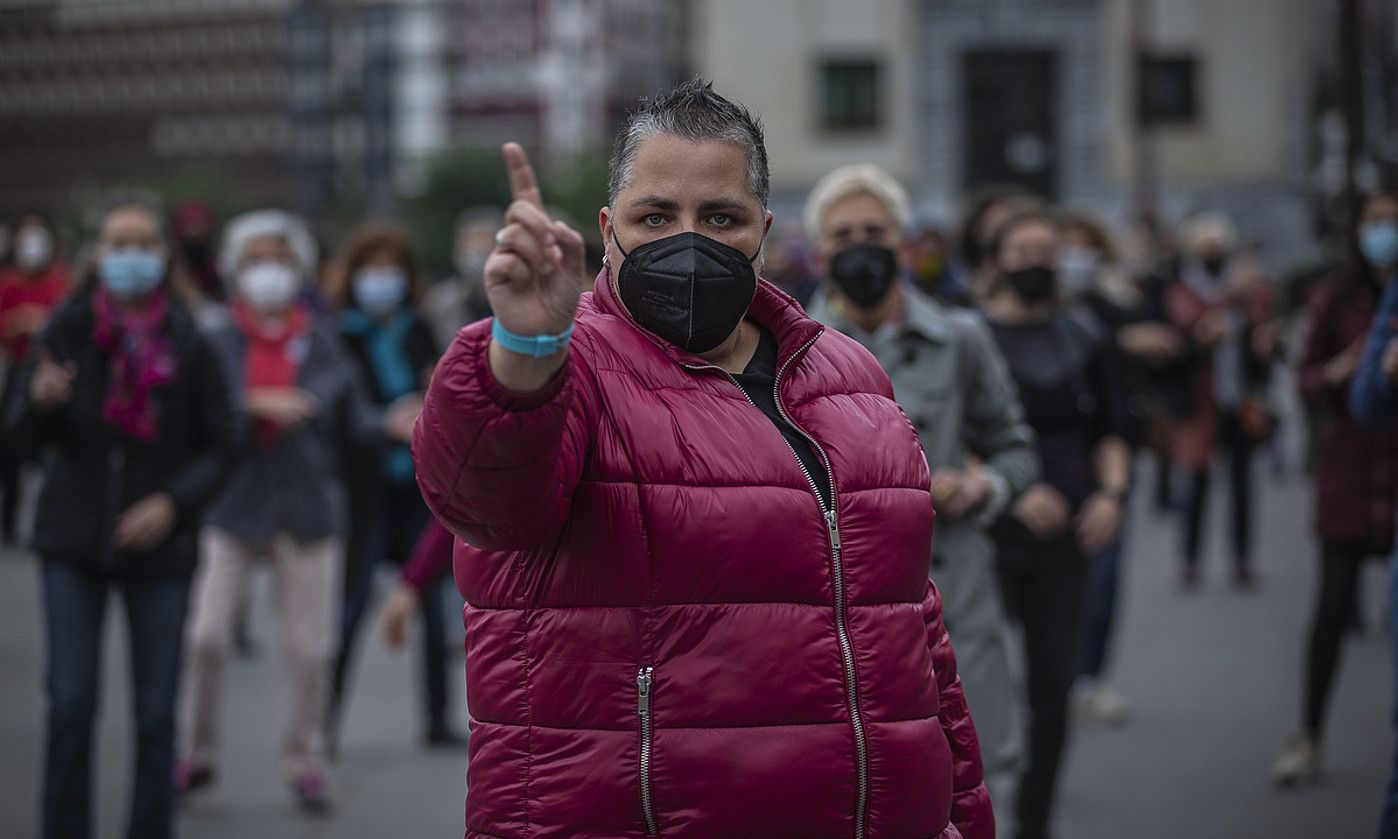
1340,565
1044,583
387,530
1238,447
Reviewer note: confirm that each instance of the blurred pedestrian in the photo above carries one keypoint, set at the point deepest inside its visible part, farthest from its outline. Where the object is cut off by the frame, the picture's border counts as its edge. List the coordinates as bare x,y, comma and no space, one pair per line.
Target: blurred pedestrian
1224,307
460,299
1356,469
929,260
1373,399
393,350
285,500
130,400
194,229
988,206
1091,278
30,289
1068,378
950,380
697,528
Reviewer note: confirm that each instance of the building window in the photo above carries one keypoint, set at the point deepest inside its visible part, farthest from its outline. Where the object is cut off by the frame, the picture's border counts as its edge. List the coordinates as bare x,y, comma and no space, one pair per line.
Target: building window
1167,93
849,95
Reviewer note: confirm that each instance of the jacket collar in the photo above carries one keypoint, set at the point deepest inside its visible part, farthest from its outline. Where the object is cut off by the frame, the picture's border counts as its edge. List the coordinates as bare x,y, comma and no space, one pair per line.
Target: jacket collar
771,308
921,315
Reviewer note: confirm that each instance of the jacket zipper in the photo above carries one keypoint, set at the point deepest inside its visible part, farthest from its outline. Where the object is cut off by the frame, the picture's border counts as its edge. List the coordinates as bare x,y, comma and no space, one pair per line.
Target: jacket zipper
832,527
644,678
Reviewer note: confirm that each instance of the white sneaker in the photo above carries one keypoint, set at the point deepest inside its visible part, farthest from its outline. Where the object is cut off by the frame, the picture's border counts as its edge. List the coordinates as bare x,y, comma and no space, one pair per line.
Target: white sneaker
1299,762
1100,703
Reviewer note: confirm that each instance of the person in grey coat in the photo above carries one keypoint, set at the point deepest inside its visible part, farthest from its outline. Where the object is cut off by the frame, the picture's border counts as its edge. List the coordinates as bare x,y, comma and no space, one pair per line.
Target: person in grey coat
285,502
954,386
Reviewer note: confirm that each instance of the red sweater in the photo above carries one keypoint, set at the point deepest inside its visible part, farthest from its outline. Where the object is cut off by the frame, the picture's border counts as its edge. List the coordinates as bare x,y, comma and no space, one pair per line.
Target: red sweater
23,296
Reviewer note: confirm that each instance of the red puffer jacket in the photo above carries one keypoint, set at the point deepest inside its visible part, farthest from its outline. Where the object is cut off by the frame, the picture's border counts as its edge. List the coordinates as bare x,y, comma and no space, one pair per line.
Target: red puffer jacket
665,634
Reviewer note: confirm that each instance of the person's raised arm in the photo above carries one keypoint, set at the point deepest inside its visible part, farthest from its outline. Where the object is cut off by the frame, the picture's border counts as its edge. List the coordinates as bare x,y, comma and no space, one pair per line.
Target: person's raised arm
533,280
507,419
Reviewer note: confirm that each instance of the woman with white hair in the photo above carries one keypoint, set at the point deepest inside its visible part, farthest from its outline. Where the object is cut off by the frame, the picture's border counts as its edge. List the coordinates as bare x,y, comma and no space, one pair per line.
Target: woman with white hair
285,501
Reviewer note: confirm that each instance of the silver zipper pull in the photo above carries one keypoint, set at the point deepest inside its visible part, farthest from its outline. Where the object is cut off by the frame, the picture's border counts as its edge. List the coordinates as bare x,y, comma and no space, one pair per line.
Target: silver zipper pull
643,678
833,525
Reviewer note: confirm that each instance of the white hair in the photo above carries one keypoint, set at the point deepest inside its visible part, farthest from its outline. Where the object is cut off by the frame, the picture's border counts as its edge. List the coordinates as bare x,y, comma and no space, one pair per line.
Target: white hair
1209,227
259,223
856,179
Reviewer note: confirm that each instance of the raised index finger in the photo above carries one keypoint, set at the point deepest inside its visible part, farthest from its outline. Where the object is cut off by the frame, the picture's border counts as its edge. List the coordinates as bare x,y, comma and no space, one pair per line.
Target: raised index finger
522,184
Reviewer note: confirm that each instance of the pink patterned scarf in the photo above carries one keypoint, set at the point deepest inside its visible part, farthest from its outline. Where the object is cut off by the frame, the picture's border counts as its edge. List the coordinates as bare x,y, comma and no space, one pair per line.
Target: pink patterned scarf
142,360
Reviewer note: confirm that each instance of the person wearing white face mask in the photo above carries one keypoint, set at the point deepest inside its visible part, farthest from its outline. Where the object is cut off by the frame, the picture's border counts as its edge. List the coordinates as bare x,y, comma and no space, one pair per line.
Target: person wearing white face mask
285,501
127,395
395,353
30,289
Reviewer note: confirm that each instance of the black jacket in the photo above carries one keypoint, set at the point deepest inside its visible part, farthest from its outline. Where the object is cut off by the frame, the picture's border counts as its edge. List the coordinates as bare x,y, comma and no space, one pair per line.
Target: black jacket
296,486
93,473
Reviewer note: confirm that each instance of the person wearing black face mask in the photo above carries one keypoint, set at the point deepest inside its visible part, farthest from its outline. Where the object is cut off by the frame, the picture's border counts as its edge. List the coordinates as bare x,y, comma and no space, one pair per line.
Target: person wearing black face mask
685,511
950,379
1073,397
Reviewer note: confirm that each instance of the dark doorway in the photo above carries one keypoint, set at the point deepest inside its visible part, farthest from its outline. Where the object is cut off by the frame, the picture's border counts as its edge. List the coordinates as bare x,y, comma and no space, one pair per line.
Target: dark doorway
1010,110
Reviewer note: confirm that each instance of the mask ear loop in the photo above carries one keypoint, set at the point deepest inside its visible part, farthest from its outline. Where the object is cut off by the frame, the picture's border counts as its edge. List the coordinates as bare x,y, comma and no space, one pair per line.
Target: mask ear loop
756,253
617,241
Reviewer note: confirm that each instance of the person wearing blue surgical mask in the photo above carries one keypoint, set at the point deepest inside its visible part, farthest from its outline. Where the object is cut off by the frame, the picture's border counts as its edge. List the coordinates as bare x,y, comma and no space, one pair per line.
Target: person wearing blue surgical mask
1378,239
395,352
126,397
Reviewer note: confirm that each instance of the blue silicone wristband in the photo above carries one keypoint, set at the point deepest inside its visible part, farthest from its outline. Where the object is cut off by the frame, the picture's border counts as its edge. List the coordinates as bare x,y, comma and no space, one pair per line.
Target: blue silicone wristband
537,346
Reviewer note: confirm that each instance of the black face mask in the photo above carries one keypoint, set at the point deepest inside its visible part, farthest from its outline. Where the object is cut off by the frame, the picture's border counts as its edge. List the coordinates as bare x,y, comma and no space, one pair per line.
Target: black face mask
1035,284
864,272
691,290
1213,265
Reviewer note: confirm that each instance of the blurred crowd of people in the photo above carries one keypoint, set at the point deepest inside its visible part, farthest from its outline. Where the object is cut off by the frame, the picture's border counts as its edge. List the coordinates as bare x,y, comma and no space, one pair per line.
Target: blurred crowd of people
206,398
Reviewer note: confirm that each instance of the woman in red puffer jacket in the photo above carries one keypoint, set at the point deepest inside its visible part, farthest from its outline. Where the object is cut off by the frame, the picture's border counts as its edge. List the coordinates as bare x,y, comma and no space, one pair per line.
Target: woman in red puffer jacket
696,529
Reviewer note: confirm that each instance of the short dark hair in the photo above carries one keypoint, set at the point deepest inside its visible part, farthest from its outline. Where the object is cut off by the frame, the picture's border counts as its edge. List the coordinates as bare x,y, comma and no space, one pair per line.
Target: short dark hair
695,112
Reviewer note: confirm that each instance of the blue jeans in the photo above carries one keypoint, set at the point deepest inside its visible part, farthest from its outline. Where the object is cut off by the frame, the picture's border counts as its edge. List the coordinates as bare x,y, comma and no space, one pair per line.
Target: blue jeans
75,604
1100,614
1388,824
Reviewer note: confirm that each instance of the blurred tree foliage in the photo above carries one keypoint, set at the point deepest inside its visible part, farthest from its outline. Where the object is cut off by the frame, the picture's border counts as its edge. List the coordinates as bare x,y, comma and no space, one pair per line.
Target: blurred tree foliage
466,178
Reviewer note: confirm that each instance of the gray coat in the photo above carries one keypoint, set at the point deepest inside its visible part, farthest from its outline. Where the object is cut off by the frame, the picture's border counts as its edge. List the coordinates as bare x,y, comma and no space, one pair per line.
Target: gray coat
955,387
296,486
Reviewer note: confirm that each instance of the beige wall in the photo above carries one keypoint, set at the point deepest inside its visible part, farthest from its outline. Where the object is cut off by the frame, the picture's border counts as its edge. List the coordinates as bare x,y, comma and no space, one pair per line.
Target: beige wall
1251,88
765,55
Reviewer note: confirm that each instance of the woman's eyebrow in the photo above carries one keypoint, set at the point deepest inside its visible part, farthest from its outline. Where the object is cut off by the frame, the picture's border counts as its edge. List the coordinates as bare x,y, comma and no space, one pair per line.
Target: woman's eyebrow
655,201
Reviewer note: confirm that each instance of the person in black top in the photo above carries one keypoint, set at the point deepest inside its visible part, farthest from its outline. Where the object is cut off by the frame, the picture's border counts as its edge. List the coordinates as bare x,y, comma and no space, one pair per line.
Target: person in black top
129,399
1069,384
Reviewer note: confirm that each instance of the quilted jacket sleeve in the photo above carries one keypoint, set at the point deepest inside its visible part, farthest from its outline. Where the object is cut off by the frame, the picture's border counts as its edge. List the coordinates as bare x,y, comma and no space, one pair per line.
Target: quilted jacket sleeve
970,804
430,560
497,469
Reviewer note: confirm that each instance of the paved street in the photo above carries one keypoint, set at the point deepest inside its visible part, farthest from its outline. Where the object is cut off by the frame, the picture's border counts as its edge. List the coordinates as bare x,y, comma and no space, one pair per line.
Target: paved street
1214,679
